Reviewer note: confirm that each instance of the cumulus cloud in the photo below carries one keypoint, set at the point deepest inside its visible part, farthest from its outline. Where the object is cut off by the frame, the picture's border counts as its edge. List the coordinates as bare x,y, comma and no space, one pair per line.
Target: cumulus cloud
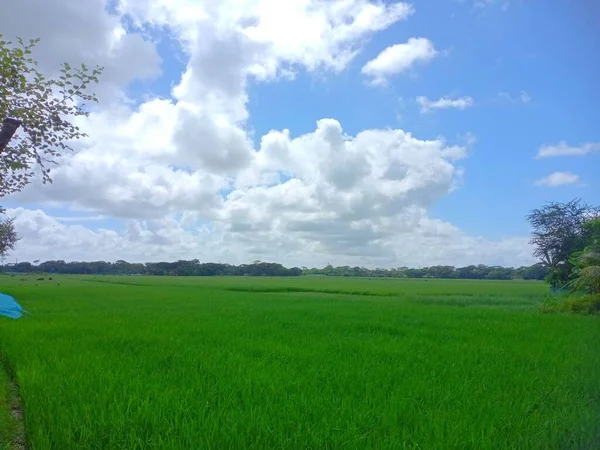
375,169
563,149
444,103
558,179
83,32
376,174
308,33
210,142
140,240
398,58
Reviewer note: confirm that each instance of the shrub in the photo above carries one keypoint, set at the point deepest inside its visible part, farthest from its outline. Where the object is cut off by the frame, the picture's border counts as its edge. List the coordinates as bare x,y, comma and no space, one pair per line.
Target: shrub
578,304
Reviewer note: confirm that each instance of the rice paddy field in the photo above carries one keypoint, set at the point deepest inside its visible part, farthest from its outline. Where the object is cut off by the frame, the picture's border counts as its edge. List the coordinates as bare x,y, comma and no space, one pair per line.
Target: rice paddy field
297,363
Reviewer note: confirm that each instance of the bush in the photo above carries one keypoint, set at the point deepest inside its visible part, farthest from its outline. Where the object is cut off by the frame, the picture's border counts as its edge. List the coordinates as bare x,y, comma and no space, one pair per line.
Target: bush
579,304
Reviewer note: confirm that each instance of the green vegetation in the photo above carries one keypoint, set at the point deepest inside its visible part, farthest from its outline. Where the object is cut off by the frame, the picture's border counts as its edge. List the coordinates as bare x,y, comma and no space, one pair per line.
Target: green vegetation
586,263
11,427
560,231
567,239
579,304
7,422
302,362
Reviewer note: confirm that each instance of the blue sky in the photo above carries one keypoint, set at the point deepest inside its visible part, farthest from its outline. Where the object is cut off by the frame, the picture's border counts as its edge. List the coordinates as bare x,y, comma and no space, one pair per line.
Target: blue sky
527,69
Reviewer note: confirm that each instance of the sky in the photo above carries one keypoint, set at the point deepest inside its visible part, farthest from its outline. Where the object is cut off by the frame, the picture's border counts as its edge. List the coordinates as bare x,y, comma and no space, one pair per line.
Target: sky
307,132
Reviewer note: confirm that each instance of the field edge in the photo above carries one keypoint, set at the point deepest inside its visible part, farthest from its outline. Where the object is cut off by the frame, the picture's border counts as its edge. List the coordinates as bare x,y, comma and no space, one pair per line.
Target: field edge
12,427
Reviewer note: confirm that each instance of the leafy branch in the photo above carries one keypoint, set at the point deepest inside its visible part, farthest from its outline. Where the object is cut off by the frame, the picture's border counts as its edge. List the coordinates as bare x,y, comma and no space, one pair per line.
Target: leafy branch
45,107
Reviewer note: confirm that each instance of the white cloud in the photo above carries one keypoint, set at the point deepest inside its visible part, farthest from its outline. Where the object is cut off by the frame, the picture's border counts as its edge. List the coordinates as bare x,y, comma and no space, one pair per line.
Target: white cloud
310,33
359,199
454,153
210,142
482,4
523,97
377,172
470,138
563,149
398,58
444,103
85,32
162,172
181,176
558,179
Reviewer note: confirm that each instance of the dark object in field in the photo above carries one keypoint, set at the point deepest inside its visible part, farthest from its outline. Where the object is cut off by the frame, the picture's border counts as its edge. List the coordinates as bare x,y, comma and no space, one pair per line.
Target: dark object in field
50,278
9,127
40,279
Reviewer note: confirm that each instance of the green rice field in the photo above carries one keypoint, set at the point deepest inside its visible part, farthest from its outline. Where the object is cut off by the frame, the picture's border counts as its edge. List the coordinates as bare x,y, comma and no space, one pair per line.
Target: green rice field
297,363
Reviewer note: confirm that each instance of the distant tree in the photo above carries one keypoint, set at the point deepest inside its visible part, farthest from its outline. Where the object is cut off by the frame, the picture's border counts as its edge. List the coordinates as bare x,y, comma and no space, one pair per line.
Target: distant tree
538,271
558,230
442,271
23,267
44,107
500,273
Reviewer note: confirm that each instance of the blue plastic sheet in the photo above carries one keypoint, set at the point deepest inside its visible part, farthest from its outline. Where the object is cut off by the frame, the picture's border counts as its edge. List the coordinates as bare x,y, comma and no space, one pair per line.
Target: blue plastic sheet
9,307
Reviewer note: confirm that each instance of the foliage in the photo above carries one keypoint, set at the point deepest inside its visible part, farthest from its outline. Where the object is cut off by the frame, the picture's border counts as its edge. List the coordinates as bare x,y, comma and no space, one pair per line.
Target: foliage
579,304
46,108
558,231
8,426
586,270
258,268
8,235
144,362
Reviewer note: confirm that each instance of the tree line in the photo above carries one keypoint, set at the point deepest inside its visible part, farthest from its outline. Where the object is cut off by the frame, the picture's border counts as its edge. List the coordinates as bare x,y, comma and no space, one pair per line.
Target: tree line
257,268
479,272
178,268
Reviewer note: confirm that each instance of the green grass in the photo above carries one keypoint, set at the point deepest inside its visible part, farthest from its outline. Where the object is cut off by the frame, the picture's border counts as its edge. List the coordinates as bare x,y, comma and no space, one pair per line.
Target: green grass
11,436
320,363
7,426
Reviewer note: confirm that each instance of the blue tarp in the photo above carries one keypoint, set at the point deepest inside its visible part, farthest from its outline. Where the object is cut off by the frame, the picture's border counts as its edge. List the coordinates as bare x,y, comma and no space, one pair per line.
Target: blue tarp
9,307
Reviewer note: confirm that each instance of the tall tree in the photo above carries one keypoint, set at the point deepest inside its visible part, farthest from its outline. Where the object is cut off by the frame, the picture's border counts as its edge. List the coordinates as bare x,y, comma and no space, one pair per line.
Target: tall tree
559,230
